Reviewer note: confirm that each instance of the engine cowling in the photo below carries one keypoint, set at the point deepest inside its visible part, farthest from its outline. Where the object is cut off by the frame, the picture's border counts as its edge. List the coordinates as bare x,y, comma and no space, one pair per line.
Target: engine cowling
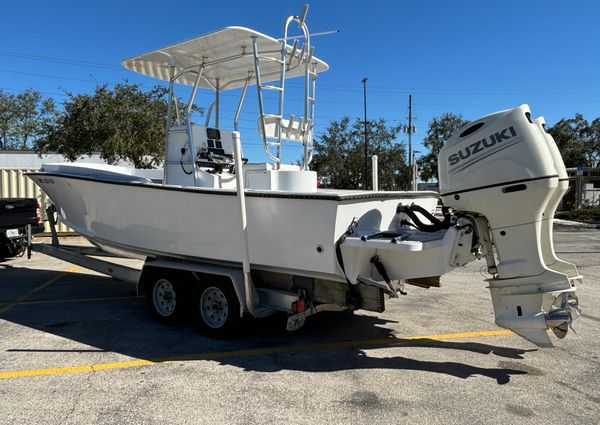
501,168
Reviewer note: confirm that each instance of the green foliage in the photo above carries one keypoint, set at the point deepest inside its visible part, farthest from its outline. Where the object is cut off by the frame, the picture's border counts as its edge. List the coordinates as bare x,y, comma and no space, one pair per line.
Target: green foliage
124,123
339,155
585,214
578,141
440,129
23,118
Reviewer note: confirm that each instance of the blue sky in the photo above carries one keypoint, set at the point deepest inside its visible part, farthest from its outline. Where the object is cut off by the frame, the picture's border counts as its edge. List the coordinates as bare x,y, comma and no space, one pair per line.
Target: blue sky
467,57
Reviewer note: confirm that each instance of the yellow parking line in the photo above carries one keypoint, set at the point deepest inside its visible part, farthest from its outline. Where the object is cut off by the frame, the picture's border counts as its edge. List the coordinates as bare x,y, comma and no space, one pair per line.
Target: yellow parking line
476,334
73,369
35,290
80,300
380,342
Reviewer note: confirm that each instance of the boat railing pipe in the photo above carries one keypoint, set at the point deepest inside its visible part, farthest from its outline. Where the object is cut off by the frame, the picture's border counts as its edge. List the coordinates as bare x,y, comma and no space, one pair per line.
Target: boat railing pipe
208,114
238,111
217,102
188,109
261,111
308,104
170,102
374,173
239,176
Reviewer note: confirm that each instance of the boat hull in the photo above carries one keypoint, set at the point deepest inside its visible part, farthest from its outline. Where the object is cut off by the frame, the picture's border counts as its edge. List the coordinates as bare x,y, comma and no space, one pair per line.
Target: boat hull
287,232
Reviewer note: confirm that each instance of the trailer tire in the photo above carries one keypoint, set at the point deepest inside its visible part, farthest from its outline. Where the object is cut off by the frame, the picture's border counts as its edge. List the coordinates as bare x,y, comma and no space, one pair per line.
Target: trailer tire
215,308
167,298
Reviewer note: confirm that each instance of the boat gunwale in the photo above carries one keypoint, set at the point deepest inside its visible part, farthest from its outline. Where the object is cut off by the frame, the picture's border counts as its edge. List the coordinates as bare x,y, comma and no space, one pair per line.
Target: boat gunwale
326,196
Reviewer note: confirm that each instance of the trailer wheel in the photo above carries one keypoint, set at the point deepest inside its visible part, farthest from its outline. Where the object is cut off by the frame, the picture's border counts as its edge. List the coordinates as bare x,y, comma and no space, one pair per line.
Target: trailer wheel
216,309
166,298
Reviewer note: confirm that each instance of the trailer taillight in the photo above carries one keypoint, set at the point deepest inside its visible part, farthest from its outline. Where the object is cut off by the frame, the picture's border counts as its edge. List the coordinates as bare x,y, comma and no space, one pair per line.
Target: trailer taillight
38,208
299,306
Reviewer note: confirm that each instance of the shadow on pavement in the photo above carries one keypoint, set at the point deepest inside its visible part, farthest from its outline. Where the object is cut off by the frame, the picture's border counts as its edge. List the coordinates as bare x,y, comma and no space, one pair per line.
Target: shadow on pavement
328,342
352,359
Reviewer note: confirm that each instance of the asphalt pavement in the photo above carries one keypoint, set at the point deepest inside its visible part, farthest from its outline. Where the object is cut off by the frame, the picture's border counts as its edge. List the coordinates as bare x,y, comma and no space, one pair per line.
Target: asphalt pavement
77,347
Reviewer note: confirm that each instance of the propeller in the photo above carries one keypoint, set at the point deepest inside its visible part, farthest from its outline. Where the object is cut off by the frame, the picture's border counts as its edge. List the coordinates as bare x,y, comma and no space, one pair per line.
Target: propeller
563,312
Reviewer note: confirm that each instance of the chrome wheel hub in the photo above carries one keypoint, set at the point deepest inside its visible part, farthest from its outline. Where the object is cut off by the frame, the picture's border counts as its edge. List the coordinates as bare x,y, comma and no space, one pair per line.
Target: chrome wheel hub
214,307
164,297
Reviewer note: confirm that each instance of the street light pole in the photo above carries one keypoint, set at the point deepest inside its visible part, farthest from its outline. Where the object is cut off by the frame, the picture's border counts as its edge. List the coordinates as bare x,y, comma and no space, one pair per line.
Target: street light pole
410,131
366,173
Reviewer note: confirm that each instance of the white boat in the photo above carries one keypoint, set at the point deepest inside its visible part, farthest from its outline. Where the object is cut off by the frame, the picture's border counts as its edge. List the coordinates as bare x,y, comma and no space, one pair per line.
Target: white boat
285,245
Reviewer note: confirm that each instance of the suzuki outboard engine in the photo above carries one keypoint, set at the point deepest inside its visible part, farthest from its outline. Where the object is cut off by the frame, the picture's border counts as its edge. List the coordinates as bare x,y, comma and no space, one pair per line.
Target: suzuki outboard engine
563,186
505,171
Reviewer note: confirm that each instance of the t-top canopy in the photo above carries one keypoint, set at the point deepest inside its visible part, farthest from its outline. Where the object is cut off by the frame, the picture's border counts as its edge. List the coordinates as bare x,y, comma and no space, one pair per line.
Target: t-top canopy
227,57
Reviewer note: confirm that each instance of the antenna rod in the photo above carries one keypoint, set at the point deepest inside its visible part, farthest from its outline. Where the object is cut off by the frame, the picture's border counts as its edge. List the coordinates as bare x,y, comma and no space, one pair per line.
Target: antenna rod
309,35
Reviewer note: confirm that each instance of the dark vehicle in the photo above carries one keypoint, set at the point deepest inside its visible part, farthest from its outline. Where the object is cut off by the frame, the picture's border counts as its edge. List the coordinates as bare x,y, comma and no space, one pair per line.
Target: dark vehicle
19,220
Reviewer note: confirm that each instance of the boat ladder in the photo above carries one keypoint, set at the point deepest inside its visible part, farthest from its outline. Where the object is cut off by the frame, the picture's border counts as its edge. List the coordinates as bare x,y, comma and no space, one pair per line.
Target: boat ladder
273,127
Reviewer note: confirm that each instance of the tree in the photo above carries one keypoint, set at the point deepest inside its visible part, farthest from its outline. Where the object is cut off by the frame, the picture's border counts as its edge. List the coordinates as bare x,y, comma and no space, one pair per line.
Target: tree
578,141
339,154
440,129
124,123
7,112
594,138
24,118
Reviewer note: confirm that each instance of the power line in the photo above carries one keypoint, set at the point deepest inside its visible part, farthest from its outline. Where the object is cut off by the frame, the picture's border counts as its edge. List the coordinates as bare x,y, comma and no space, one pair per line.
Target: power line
355,103
31,74
255,113
39,91
387,89
59,60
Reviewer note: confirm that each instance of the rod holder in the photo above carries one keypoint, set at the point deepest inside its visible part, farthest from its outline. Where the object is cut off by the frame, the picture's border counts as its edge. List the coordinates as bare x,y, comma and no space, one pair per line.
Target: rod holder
310,54
294,49
302,16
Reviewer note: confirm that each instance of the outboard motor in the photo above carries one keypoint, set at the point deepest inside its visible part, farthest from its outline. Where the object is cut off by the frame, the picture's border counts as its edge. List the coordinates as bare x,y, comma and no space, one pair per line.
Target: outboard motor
505,171
550,258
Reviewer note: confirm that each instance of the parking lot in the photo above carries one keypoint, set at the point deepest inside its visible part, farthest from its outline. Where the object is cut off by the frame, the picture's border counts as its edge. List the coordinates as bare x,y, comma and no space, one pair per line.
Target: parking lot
78,347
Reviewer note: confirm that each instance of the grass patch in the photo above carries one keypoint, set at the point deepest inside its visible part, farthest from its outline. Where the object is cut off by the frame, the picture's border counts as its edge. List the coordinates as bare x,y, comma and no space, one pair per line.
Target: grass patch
586,214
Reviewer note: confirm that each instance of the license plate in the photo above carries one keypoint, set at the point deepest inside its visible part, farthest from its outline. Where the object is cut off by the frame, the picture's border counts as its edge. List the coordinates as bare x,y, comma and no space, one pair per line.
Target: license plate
12,233
295,322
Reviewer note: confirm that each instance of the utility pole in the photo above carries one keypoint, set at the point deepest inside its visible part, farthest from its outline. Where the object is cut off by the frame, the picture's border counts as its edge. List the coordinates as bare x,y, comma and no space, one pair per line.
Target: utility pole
364,81
409,126
410,129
